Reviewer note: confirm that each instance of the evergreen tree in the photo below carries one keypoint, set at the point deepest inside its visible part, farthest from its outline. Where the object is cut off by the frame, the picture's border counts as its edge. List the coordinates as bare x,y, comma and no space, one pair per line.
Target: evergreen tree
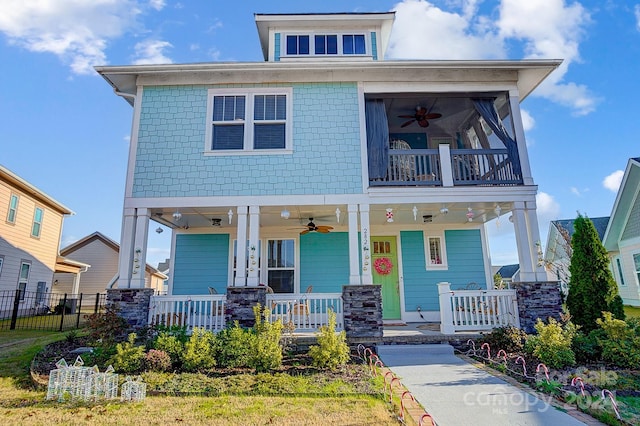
592,288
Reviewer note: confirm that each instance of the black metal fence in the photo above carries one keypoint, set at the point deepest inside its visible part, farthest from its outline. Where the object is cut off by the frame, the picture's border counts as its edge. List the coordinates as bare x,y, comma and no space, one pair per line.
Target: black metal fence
47,311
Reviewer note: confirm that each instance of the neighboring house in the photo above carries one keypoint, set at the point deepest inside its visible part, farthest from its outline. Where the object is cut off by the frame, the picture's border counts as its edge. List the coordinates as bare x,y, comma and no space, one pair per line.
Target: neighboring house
557,257
30,232
102,254
327,165
622,238
509,274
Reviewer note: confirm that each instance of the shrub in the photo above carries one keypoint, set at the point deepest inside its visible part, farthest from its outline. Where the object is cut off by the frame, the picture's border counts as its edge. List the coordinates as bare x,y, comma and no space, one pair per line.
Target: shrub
587,347
509,338
267,352
106,328
156,360
233,346
552,344
172,343
332,349
621,344
199,351
128,358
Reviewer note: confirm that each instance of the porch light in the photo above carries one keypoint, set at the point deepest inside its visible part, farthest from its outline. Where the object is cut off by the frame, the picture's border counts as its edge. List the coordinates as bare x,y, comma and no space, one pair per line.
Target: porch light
444,210
285,214
230,214
159,230
177,215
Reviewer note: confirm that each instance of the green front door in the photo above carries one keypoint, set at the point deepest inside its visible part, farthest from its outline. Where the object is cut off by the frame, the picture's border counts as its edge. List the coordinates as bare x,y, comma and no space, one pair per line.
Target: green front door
385,273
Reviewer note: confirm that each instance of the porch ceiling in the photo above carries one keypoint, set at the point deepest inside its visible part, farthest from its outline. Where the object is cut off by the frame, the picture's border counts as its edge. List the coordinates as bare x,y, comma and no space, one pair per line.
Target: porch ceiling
270,216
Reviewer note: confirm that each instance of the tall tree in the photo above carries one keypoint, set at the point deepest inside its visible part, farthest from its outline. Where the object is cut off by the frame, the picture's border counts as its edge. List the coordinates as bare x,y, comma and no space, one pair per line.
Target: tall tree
592,288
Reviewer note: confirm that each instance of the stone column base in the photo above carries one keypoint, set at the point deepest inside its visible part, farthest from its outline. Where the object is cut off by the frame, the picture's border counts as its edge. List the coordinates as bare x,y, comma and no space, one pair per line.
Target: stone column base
538,300
240,303
362,307
132,304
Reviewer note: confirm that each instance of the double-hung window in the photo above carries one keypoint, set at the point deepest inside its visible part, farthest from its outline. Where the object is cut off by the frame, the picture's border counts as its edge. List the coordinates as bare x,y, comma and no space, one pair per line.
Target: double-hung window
23,278
249,121
435,250
13,209
36,228
281,265
636,263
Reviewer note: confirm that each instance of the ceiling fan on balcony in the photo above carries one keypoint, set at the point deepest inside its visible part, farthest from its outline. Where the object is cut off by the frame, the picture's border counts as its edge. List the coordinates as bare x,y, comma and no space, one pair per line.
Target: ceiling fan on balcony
421,116
312,227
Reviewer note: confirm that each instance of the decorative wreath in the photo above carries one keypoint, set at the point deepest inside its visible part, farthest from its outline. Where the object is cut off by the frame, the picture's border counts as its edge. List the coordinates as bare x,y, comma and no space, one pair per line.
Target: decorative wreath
383,265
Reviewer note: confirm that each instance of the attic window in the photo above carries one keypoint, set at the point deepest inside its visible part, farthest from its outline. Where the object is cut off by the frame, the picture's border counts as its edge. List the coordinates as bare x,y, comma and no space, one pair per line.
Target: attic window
319,44
297,45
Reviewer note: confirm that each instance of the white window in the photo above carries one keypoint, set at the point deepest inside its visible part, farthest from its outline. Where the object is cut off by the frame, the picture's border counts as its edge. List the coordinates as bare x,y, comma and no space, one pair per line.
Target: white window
636,262
324,44
252,121
435,250
23,279
281,265
1,262
13,209
36,228
618,270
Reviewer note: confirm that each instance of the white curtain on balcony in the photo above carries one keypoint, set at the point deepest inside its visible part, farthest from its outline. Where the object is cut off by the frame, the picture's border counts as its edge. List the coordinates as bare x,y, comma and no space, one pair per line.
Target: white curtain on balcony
486,108
377,138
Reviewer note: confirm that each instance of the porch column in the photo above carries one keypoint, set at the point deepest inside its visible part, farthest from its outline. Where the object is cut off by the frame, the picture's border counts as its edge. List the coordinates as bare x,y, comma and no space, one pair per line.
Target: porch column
445,164
524,242
534,231
241,248
354,247
140,248
125,256
516,119
367,278
254,243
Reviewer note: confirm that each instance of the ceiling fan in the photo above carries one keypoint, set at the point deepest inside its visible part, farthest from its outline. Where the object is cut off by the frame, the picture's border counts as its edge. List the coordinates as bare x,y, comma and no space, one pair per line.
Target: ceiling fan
311,227
421,116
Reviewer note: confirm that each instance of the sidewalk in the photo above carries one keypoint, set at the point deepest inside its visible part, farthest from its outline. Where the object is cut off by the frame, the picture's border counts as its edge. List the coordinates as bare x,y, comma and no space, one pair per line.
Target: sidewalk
457,393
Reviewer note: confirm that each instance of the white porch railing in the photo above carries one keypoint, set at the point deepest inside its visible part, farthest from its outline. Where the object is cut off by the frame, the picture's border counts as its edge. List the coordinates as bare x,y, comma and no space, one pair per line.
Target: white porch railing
308,311
476,310
203,311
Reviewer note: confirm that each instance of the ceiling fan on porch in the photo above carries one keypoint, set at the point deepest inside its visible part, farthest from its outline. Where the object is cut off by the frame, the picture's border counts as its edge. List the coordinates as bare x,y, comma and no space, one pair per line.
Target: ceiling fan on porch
421,116
312,227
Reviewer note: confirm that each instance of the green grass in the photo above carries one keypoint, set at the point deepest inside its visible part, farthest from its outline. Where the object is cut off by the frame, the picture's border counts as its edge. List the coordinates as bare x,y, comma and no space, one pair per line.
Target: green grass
21,403
632,311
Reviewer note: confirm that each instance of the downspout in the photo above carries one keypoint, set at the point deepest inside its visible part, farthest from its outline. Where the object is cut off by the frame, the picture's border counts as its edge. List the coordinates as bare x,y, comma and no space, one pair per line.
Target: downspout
125,95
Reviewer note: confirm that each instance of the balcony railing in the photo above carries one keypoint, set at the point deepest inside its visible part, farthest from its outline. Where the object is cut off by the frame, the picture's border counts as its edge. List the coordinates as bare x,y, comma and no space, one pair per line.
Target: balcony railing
446,167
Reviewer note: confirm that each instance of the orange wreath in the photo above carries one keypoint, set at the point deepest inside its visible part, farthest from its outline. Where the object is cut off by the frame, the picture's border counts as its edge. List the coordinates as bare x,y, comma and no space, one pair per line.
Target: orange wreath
383,265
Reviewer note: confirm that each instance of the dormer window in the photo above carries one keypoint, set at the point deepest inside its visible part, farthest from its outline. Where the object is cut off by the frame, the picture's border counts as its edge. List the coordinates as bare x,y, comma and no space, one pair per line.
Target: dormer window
310,45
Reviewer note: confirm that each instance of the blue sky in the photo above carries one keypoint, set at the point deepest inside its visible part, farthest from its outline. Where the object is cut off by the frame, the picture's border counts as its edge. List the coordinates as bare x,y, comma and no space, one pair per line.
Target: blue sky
63,130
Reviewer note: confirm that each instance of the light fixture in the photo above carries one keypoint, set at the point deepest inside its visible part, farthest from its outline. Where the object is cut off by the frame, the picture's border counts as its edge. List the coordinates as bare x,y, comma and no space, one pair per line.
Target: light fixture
444,210
338,214
216,221
177,215
230,214
285,214
159,230
470,214
415,213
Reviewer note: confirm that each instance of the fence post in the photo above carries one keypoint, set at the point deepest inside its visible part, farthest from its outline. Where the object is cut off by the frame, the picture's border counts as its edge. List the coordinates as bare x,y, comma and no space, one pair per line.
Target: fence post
95,308
14,314
446,315
64,308
79,308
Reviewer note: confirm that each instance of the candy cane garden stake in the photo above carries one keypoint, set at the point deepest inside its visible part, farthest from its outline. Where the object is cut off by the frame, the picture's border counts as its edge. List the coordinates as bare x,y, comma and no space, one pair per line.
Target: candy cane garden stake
504,355
402,407
613,401
473,345
524,365
578,380
546,370
488,350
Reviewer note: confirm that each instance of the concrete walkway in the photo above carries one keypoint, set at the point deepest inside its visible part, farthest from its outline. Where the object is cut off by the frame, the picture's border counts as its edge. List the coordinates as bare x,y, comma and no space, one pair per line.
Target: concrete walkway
457,393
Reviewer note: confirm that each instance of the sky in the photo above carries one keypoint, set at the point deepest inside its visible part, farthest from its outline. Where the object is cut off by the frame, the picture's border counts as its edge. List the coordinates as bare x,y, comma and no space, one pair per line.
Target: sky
63,129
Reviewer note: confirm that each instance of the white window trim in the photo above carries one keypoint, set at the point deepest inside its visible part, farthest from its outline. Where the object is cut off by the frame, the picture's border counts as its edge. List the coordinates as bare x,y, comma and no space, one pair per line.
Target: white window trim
636,272
427,251
15,210
618,270
312,45
21,281
35,210
249,94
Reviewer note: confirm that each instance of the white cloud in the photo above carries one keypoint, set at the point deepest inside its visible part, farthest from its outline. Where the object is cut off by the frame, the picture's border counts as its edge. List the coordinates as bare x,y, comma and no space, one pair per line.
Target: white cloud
613,181
547,207
528,122
547,29
157,4
575,191
636,12
152,52
77,31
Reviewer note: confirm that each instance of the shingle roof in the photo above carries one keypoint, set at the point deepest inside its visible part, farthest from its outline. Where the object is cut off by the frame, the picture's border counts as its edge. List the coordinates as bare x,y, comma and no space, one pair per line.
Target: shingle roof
508,271
600,223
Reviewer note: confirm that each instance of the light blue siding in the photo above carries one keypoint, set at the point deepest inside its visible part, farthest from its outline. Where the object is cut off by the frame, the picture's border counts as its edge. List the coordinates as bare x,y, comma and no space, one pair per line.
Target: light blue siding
324,261
374,46
201,261
276,46
465,261
171,141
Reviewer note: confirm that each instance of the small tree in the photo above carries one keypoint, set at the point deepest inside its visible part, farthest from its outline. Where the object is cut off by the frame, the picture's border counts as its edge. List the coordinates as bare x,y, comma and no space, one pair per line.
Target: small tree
592,289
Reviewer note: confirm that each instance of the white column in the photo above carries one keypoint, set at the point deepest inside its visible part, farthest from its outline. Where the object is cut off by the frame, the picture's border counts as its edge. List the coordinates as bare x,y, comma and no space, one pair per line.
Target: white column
365,252
140,248
254,241
241,248
534,231
523,242
445,164
127,237
516,119
446,314
354,248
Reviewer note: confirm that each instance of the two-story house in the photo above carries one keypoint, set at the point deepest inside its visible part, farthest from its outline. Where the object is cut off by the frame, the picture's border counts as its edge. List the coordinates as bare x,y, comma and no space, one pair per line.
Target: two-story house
30,232
327,165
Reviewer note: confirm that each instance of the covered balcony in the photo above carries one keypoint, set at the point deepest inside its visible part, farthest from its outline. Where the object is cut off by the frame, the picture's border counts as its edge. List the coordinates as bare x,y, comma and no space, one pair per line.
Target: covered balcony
442,140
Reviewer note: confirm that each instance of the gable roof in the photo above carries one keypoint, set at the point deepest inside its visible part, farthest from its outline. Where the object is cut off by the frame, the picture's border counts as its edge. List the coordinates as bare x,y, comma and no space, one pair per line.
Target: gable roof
508,271
97,236
21,184
600,223
628,195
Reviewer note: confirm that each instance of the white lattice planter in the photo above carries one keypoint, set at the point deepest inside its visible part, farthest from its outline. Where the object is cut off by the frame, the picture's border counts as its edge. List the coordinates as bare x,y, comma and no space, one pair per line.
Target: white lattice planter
133,390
